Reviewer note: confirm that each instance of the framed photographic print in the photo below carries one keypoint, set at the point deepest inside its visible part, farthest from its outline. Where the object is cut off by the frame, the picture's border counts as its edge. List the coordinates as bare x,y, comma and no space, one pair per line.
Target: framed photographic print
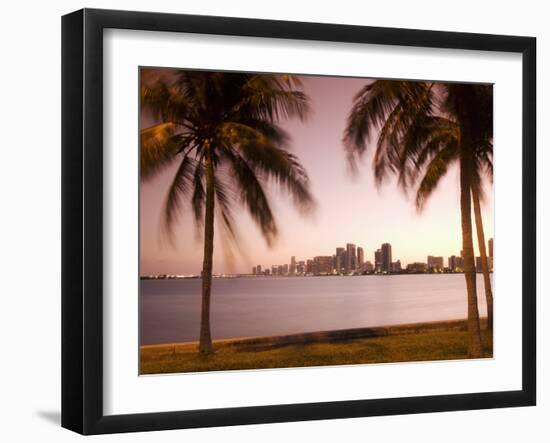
269,221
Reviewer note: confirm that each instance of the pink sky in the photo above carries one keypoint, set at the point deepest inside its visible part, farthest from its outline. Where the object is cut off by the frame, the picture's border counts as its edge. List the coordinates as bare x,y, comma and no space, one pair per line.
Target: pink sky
349,210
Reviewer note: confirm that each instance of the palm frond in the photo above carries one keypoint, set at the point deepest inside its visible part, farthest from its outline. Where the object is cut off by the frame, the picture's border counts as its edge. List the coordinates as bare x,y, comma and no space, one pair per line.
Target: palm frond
478,173
225,201
272,98
158,146
253,197
274,133
179,189
154,91
435,171
268,159
428,139
392,106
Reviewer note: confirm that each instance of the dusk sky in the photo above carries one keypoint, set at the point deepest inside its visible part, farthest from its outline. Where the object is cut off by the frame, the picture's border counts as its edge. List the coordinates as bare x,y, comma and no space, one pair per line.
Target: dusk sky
349,209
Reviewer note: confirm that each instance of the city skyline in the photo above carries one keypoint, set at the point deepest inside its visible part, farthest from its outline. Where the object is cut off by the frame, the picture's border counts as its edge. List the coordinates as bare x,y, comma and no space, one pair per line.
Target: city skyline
382,263
347,207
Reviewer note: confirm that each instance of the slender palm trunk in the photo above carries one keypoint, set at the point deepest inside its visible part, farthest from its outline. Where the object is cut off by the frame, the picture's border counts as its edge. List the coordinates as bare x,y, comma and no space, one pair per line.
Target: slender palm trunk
474,335
483,255
205,343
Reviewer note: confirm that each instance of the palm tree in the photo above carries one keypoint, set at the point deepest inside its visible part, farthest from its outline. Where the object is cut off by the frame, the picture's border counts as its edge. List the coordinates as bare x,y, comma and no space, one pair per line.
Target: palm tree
483,154
423,129
447,137
222,130
473,106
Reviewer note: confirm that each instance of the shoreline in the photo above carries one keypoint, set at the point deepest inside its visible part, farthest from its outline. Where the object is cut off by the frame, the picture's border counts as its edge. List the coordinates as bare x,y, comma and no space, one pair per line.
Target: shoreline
414,342
233,276
326,335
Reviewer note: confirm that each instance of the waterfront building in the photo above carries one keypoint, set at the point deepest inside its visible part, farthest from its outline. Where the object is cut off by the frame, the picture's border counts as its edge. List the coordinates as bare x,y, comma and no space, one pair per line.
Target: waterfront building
435,263
378,260
452,263
360,257
351,258
292,268
386,257
368,267
396,266
322,265
417,267
340,264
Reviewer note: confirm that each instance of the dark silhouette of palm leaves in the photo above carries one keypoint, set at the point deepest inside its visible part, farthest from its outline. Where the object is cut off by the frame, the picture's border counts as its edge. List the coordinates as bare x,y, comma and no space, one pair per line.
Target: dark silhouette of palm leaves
418,133
235,114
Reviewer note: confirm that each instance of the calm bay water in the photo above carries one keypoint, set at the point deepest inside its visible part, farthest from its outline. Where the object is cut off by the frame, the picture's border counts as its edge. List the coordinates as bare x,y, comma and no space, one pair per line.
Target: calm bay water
244,307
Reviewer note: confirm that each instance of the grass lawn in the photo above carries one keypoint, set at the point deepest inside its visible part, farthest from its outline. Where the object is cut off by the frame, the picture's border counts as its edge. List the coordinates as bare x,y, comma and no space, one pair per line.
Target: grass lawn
393,346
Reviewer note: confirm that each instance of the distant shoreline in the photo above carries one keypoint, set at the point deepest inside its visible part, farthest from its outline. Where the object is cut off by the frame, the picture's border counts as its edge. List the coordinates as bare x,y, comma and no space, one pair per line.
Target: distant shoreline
230,276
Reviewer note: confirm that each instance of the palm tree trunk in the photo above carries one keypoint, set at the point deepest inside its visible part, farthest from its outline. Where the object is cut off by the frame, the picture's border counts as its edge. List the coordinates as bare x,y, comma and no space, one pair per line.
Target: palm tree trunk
205,343
483,255
474,335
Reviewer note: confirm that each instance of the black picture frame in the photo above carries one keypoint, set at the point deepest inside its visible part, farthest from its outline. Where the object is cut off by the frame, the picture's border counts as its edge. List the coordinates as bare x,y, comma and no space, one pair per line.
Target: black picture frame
82,219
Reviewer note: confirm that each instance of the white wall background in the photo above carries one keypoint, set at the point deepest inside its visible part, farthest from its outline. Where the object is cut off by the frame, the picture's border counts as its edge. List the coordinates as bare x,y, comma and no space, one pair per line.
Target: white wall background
30,222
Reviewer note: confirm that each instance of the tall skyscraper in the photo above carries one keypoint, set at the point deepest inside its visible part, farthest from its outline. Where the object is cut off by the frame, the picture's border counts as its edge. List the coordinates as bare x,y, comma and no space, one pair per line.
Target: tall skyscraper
340,260
360,257
435,262
254,270
259,269
351,258
292,269
386,257
378,260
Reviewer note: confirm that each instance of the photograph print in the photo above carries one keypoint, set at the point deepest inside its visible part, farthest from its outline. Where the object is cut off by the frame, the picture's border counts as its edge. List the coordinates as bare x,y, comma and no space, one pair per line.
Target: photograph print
300,221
